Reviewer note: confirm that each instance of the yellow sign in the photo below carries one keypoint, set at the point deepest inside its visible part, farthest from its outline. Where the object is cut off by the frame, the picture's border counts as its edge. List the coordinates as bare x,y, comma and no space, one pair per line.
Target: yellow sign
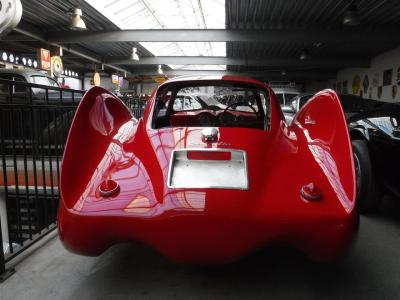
56,65
96,79
114,79
159,79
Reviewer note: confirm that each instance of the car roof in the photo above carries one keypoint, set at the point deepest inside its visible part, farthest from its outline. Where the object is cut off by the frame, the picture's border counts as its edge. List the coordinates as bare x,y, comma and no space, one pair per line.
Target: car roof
241,79
26,72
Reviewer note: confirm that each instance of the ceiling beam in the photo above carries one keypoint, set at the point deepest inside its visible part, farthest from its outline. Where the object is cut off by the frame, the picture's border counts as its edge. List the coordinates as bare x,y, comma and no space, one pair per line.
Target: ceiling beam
39,36
272,74
224,35
231,61
17,38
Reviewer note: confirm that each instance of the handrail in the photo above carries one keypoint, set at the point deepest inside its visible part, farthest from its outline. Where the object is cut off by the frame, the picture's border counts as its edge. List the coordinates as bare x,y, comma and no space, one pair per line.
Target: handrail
35,85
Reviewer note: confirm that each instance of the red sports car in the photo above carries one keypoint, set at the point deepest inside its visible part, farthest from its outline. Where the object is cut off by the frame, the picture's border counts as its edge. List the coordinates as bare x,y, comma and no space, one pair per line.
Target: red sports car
210,173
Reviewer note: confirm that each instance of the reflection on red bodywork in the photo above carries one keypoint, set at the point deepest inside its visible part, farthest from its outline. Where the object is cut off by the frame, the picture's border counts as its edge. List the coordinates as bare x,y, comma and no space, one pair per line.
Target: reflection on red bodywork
207,225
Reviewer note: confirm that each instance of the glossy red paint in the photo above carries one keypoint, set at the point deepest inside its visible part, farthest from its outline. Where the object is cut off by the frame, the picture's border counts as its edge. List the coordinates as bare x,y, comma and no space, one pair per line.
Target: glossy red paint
208,225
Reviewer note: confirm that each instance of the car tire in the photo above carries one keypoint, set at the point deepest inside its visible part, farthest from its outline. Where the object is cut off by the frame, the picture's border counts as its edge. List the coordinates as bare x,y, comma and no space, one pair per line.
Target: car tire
367,197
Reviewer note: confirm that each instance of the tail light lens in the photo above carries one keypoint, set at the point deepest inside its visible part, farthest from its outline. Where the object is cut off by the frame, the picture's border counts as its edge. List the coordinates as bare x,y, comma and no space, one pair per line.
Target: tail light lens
208,155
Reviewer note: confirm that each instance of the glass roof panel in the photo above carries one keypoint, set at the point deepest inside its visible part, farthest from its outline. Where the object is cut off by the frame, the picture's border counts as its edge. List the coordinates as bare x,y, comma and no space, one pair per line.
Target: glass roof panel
199,67
186,48
168,14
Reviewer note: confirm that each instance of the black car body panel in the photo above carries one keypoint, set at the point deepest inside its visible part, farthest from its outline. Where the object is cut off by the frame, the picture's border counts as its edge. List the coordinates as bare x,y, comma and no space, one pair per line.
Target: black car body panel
378,123
380,128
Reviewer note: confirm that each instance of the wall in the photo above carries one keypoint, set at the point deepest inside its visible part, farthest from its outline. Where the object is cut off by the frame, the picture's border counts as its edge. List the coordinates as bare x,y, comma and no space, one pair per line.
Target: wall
148,87
313,86
372,79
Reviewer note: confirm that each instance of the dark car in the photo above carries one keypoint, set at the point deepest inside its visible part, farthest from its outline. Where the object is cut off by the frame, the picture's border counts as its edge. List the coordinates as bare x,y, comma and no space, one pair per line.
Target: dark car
375,132
34,108
44,87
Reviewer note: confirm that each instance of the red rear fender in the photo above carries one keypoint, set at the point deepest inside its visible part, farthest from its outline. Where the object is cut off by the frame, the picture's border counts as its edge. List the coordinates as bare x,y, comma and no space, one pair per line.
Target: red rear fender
321,124
98,118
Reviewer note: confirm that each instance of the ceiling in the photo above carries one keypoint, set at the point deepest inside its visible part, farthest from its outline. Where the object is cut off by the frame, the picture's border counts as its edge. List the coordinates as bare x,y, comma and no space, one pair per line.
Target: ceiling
330,44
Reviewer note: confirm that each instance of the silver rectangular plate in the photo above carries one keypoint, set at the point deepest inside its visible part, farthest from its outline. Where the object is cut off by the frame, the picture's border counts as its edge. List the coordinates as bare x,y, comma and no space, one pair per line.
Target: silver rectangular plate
218,174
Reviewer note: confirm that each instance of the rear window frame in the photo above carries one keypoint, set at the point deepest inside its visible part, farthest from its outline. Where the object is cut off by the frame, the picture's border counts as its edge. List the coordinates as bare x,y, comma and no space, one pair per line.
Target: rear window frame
175,86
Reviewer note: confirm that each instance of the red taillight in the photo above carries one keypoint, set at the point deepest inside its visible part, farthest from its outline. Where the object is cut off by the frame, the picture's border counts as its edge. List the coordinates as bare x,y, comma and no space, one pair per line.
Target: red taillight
208,155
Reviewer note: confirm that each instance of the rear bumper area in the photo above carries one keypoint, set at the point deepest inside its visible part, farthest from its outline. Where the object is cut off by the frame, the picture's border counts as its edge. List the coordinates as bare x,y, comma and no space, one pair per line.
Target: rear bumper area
200,239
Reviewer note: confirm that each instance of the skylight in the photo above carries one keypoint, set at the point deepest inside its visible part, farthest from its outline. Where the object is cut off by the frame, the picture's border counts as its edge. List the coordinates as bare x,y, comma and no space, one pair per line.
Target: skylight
199,67
170,14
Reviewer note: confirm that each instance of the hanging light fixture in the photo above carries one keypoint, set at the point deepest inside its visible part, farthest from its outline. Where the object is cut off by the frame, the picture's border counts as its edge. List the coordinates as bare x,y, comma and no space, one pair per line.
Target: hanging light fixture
351,17
160,70
304,54
76,20
134,55
283,73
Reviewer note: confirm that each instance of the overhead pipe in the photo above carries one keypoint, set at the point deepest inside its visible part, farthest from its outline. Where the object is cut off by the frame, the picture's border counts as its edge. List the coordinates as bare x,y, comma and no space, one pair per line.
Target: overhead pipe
40,37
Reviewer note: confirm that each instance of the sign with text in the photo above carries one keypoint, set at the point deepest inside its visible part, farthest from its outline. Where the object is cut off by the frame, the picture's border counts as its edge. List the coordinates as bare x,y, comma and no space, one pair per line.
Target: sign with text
44,59
114,79
159,79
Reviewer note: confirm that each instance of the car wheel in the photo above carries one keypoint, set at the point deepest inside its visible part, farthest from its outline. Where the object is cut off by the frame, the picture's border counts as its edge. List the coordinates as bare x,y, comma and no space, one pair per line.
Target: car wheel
367,197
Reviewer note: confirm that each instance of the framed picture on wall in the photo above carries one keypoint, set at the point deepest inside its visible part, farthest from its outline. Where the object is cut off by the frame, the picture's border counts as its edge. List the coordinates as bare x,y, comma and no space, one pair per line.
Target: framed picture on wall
365,83
387,77
356,85
345,87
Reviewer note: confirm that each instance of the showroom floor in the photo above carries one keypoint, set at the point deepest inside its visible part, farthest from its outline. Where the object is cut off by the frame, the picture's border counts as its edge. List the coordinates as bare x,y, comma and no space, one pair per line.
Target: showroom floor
371,270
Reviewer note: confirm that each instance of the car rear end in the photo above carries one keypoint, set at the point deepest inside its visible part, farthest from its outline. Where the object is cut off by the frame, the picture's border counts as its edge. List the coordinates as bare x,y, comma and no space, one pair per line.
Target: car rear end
207,184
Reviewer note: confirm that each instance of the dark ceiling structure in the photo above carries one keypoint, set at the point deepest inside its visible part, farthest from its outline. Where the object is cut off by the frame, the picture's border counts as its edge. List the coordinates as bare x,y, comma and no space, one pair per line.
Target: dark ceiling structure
264,37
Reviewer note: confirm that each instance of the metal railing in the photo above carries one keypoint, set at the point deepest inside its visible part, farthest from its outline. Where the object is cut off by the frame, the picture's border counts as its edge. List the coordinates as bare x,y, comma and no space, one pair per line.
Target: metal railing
135,104
34,124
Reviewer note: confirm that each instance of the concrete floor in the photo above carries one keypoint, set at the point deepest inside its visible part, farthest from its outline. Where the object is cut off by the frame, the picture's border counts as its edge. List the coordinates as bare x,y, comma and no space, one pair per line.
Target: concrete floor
370,271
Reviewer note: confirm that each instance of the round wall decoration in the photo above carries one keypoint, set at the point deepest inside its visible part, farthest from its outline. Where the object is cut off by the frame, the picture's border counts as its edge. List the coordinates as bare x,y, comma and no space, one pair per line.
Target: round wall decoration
57,65
96,79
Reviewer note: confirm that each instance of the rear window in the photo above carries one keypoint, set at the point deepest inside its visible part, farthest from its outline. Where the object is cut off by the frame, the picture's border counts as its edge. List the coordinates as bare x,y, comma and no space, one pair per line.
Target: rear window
280,98
220,104
289,97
